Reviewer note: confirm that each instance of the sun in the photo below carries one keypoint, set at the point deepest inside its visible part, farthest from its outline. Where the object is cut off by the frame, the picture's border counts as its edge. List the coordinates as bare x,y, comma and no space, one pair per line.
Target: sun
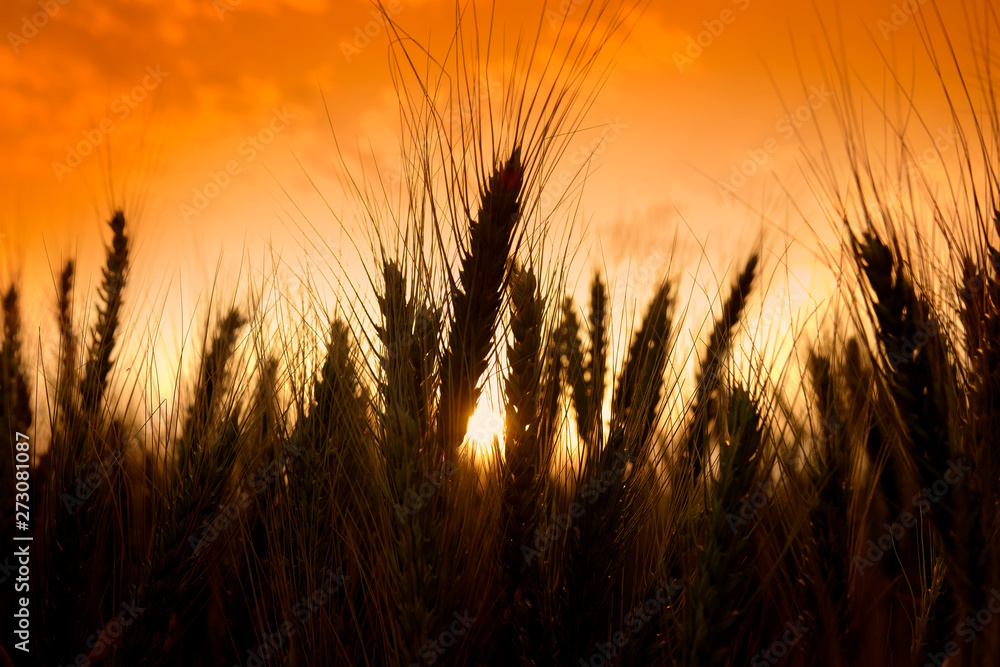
485,424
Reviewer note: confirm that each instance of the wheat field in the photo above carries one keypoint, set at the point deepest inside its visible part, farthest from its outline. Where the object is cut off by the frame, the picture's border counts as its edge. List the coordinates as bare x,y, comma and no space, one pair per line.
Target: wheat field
312,493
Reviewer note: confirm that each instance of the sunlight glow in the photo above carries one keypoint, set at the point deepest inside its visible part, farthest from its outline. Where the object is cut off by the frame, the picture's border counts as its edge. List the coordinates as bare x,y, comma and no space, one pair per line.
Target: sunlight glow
485,424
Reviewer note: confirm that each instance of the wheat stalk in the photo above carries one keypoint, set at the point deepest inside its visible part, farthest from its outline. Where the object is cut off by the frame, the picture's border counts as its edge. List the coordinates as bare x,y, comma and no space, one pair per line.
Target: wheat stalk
76,445
637,396
105,330
715,593
14,394
710,371
523,470
172,589
597,359
476,297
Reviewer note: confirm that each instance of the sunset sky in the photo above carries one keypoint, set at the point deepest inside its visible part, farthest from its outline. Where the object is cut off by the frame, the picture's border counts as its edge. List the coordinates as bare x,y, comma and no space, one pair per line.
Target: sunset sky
172,91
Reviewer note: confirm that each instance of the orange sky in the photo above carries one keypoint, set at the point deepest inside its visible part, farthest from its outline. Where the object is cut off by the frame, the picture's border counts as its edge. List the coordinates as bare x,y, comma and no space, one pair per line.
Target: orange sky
180,85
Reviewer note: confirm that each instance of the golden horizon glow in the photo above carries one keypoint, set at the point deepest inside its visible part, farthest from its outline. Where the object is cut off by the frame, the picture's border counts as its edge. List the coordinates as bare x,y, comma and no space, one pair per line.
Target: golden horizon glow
252,118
